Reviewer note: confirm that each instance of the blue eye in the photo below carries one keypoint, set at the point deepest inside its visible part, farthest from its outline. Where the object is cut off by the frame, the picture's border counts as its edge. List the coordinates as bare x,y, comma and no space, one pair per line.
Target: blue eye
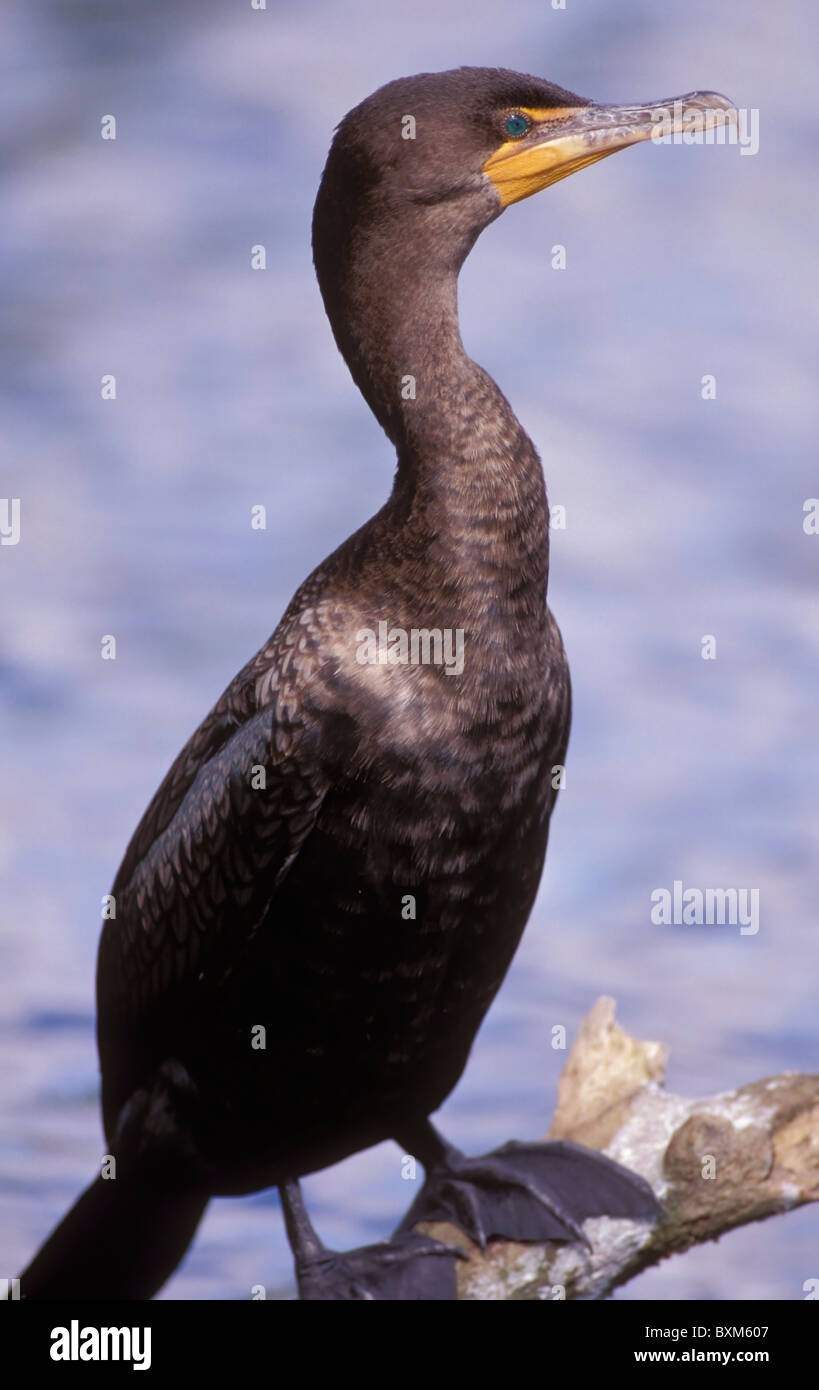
516,125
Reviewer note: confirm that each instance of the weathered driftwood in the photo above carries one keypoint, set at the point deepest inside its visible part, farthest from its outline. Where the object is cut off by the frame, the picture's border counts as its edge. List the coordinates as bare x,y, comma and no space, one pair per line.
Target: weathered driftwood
715,1164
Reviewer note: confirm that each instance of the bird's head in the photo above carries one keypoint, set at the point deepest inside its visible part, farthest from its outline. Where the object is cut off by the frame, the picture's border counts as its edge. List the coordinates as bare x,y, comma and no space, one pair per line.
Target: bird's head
450,150
414,175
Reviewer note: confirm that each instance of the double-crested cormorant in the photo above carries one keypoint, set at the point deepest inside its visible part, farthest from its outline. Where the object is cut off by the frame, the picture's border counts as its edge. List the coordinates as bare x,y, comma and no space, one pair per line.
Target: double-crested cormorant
346,852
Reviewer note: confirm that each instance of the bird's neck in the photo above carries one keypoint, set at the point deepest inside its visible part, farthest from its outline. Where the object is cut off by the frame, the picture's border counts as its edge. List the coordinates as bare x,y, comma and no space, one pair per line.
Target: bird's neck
469,481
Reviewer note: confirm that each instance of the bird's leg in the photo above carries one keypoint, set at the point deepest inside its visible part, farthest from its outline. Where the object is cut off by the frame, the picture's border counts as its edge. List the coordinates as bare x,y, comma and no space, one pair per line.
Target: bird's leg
526,1192
407,1266
304,1242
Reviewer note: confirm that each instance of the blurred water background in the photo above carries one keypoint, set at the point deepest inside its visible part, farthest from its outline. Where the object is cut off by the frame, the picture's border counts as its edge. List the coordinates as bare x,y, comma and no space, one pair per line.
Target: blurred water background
684,518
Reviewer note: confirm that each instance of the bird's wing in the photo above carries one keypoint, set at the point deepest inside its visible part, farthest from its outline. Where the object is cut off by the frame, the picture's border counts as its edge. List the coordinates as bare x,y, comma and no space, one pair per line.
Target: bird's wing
219,835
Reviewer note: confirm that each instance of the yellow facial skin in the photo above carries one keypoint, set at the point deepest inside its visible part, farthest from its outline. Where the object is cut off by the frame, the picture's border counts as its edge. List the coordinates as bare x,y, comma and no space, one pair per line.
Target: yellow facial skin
564,139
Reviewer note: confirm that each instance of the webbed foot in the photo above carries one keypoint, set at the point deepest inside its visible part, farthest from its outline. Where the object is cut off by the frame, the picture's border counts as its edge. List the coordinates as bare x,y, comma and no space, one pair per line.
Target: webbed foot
405,1267
524,1191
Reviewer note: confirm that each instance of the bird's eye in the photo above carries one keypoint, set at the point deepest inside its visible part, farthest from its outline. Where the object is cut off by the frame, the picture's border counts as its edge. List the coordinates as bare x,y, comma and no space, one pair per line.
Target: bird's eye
516,125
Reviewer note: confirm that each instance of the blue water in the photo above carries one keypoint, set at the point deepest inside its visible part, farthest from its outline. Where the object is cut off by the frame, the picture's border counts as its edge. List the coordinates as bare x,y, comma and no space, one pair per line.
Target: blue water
684,519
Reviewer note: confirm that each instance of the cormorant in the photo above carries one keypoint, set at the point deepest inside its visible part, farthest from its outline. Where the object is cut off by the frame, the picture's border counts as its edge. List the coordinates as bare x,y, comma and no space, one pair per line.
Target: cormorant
325,893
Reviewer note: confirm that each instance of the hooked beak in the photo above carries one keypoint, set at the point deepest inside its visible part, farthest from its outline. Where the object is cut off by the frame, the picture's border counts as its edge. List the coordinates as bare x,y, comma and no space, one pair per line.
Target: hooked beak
565,139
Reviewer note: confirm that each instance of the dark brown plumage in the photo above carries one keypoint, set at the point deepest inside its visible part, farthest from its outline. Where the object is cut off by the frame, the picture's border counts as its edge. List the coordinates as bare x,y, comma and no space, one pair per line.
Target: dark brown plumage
282,906
268,881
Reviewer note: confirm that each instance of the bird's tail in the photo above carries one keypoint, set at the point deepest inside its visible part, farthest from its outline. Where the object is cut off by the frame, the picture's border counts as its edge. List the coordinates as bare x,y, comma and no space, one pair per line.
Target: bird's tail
121,1239
128,1231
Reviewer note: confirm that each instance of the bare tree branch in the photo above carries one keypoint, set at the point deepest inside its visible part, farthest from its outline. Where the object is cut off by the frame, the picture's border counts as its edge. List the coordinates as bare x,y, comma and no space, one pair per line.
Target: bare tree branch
715,1164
